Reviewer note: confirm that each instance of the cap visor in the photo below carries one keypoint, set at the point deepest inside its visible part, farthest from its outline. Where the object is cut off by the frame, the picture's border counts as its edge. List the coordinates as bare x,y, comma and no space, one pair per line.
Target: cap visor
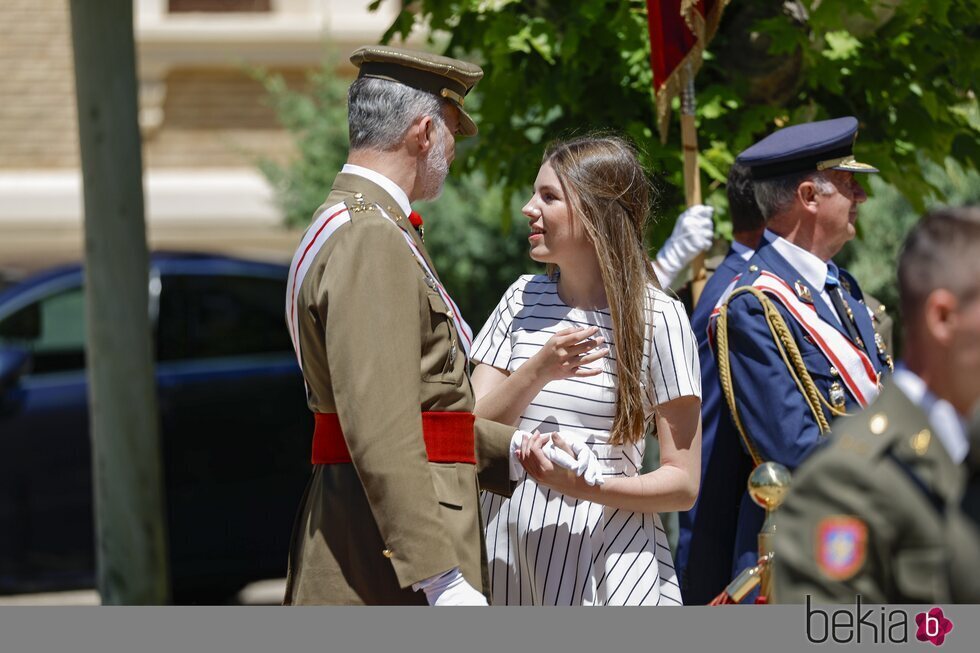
466,125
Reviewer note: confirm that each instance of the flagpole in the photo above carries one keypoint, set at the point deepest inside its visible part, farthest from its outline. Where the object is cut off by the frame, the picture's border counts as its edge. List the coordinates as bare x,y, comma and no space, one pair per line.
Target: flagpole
692,175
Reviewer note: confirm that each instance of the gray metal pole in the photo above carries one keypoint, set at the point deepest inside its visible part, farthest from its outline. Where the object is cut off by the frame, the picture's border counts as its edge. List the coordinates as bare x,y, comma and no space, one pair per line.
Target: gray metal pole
129,516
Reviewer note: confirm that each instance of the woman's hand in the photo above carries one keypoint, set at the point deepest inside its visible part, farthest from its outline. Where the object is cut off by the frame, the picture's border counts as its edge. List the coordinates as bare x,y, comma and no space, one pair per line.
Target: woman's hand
545,472
567,354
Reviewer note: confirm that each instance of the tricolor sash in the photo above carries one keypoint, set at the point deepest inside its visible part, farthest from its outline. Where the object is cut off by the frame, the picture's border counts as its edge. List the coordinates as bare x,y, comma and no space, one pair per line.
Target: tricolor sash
854,366
315,238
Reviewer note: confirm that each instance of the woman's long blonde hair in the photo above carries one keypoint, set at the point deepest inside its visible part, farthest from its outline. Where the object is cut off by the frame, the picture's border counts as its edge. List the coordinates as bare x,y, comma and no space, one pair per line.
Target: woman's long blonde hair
609,192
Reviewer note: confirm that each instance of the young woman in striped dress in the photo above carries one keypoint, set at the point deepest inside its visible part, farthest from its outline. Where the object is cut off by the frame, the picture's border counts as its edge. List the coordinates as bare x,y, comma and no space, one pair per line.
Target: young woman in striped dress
595,351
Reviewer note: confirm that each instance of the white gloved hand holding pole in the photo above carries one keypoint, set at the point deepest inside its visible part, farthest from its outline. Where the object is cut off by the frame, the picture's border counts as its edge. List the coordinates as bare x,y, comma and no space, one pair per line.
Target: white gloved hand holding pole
449,588
693,234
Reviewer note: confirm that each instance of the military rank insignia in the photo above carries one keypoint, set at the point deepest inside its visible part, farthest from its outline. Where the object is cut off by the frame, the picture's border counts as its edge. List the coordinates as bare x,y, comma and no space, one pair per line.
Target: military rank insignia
841,546
803,292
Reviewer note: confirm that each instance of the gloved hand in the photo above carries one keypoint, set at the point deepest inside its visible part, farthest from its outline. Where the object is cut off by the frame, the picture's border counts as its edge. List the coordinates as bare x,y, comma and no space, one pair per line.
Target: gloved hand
584,464
449,588
693,233
516,469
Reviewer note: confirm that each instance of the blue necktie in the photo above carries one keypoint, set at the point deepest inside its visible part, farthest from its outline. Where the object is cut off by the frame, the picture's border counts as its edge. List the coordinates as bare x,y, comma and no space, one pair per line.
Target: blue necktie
832,286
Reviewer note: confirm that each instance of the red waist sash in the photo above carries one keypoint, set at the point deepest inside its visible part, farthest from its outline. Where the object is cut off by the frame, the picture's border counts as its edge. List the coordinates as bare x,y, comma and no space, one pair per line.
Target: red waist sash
448,438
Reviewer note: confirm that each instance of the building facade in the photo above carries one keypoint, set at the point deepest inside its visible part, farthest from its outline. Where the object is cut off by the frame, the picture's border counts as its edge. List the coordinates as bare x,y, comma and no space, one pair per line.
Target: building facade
204,120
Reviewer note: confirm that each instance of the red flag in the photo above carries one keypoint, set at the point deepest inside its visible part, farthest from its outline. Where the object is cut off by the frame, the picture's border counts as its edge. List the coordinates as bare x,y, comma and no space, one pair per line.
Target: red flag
679,32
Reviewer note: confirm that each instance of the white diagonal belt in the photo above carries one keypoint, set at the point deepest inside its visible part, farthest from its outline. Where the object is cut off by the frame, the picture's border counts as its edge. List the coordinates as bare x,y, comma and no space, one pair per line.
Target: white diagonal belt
462,328
314,239
854,366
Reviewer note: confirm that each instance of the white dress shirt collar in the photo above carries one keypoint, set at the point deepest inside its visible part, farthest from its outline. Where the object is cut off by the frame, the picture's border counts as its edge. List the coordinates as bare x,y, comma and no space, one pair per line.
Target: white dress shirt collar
945,421
810,266
388,185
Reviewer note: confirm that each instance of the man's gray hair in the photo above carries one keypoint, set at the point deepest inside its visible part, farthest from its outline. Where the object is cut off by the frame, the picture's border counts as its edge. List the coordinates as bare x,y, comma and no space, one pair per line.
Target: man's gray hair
379,112
776,195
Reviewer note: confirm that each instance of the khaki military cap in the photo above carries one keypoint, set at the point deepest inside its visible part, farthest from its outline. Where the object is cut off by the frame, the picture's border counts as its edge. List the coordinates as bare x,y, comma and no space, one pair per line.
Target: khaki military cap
445,77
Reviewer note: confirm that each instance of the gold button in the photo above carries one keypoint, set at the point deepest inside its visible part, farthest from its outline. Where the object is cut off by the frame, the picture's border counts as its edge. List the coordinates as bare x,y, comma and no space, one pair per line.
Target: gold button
387,553
753,268
878,424
920,442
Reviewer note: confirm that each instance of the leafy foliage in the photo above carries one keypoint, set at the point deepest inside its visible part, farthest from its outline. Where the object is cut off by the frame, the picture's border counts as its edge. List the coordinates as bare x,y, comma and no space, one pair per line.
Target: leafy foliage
906,69
884,221
317,119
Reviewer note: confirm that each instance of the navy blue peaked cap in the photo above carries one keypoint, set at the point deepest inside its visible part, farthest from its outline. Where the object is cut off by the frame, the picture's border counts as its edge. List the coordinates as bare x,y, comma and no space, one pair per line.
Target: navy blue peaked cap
812,146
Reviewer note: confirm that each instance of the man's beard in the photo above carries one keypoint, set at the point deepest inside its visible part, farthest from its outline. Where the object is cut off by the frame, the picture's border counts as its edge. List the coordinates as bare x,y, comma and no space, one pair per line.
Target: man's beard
435,169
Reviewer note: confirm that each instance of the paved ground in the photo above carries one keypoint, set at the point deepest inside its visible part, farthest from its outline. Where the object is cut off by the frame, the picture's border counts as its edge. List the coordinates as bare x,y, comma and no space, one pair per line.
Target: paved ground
266,592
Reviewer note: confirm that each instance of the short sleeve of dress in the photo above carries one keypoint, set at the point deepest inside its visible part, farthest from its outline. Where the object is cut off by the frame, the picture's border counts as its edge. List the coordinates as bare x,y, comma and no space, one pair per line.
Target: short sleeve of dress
492,345
675,370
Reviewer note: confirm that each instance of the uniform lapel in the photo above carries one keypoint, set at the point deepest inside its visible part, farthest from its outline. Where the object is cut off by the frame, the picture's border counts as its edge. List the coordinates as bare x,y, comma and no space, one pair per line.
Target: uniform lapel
376,194
866,329
785,271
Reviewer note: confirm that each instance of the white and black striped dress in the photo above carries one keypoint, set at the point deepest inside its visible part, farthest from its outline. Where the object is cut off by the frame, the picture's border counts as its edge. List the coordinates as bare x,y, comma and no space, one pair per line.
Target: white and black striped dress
548,549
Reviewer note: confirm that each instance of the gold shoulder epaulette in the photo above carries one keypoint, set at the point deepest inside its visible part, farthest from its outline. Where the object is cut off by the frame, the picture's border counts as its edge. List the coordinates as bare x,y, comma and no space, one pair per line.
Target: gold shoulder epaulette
357,204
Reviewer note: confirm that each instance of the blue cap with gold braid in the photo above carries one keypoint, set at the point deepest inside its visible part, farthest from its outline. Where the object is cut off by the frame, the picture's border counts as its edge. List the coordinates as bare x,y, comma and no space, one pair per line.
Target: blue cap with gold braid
810,147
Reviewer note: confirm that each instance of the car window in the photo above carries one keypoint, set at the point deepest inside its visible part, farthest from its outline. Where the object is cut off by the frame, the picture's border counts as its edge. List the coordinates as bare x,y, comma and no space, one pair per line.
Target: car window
216,316
53,329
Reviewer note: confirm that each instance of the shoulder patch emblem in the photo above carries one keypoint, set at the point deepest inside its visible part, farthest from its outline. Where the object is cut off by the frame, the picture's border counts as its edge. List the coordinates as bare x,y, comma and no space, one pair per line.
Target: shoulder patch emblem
841,546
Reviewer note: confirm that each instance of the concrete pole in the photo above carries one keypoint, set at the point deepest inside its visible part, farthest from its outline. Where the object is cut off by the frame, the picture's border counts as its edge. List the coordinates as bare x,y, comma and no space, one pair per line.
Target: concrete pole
127,477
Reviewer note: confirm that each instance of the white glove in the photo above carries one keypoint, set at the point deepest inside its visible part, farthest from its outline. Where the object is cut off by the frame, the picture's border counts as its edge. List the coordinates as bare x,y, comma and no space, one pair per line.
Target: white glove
449,588
693,233
516,469
585,463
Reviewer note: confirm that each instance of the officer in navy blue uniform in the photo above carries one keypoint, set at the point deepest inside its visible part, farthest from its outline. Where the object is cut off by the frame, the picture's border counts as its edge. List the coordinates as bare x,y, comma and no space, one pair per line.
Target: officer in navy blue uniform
793,342
704,546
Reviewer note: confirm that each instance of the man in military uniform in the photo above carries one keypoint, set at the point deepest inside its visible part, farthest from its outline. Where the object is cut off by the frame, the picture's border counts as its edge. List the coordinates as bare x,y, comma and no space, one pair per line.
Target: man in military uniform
877,511
707,531
391,513
705,544
793,342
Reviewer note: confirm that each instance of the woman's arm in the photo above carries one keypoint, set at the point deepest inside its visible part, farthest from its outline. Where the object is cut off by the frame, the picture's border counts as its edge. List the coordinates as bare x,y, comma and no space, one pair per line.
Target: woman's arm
673,486
502,396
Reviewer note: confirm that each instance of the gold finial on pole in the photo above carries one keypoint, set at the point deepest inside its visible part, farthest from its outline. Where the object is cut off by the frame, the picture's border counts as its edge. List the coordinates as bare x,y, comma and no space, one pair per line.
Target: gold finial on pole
768,485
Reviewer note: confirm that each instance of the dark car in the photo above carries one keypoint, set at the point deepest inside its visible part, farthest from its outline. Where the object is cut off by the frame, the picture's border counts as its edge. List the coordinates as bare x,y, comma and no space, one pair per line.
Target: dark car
235,429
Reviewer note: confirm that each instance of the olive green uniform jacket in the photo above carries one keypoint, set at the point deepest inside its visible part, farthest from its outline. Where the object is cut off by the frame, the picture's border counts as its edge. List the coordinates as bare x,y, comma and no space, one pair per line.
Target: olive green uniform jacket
379,347
885,478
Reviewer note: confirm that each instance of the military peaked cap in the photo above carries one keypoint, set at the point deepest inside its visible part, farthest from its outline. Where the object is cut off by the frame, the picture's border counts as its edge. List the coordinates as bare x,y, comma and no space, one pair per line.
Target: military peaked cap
442,76
810,147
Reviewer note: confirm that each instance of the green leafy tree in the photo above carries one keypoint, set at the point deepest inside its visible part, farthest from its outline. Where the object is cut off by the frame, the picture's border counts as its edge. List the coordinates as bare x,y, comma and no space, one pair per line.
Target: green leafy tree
886,219
906,69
